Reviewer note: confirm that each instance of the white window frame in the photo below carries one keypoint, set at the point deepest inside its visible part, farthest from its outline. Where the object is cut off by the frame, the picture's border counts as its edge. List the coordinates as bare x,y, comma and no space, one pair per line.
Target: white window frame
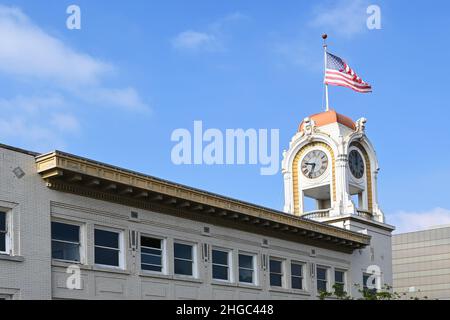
254,270
344,284
120,249
282,274
194,258
8,233
229,266
302,277
82,239
327,276
163,253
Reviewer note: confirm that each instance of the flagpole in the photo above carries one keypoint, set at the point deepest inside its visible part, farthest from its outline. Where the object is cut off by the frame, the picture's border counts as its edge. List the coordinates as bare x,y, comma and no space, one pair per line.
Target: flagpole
324,37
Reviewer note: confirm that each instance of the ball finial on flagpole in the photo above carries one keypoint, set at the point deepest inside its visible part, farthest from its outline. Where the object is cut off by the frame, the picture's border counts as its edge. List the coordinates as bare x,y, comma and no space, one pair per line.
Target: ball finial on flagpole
324,37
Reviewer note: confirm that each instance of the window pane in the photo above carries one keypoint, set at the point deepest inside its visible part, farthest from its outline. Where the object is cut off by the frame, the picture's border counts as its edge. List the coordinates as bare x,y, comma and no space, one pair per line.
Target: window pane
275,266
107,257
2,221
339,276
151,268
245,276
65,232
321,285
150,259
183,267
220,257
321,273
245,261
106,238
151,242
2,242
296,269
275,280
151,251
65,251
220,273
183,251
297,283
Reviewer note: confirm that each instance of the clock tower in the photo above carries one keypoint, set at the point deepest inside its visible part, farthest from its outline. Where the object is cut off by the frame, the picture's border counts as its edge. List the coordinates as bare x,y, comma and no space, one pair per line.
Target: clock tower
330,175
331,169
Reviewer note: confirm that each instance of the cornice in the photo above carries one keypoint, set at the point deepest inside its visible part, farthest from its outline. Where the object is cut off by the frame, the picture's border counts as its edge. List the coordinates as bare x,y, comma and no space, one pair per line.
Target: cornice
68,173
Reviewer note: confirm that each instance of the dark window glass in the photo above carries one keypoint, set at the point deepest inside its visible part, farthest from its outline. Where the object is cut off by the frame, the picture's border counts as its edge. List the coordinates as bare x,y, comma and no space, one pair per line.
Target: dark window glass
275,280
107,257
105,238
2,221
183,251
220,272
246,268
339,281
220,264
107,249
220,257
151,259
65,241
183,267
339,277
65,251
322,279
321,273
276,275
297,276
151,254
150,267
2,242
297,283
275,266
65,232
151,242
245,276
296,269
183,254
245,261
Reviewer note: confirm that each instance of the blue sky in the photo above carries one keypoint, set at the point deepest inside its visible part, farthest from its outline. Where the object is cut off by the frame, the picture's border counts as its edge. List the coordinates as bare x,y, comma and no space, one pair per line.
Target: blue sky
115,90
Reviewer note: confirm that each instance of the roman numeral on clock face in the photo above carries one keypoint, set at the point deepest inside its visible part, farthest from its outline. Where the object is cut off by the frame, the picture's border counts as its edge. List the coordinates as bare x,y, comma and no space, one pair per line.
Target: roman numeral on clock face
314,164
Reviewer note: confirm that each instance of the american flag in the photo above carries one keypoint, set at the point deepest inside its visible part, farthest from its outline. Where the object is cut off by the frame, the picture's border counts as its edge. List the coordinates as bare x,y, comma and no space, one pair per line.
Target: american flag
339,73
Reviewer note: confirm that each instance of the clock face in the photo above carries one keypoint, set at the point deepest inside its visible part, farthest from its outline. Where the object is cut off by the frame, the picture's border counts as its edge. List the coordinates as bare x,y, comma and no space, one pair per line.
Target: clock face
314,164
356,164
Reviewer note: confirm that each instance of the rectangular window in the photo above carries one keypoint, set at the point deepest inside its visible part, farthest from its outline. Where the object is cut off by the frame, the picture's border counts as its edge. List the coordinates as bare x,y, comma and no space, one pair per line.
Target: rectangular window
339,281
108,248
247,268
297,275
184,259
152,254
221,265
322,279
65,242
276,272
3,233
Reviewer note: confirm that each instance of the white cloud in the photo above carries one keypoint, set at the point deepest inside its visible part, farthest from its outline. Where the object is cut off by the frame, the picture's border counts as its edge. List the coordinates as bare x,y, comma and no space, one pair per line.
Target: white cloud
209,40
40,62
414,221
28,52
344,17
65,122
193,40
